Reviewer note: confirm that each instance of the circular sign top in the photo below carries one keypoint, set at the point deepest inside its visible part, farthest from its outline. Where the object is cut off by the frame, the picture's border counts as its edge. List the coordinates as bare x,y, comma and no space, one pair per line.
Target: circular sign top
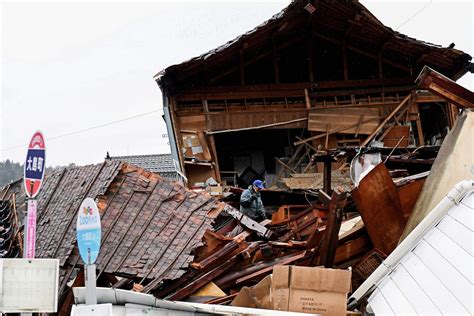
37,141
88,231
35,164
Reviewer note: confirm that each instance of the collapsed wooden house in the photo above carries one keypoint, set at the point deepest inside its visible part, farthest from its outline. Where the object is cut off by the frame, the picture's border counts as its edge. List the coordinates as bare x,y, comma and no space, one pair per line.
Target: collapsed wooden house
319,74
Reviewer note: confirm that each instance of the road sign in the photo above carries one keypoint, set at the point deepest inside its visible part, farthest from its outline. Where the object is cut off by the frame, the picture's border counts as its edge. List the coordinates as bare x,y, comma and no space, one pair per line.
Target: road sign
35,164
88,231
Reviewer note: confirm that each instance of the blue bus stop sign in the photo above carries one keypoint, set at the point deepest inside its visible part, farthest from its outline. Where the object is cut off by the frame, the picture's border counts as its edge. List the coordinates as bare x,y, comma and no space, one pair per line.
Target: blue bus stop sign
88,231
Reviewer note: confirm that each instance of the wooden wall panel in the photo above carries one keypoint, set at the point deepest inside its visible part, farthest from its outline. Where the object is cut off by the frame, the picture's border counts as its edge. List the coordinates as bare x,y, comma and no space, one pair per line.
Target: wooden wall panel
243,119
193,123
338,118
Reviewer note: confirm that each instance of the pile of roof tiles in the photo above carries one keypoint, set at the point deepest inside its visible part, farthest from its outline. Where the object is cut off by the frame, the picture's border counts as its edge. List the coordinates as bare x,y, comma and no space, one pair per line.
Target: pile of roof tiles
9,242
149,224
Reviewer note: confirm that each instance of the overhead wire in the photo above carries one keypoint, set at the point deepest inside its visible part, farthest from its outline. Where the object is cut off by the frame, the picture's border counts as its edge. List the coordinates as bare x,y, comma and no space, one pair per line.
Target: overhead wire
85,129
415,14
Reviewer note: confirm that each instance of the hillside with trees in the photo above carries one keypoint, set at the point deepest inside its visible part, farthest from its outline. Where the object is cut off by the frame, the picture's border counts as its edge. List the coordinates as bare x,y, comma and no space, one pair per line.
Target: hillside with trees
10,171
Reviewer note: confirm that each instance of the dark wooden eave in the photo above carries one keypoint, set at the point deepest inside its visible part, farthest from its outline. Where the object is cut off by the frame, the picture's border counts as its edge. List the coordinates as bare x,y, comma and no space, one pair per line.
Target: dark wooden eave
445,87
345,22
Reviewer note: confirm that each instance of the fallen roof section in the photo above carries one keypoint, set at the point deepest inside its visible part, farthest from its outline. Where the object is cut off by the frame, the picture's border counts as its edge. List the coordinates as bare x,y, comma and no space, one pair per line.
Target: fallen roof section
430,272
149,224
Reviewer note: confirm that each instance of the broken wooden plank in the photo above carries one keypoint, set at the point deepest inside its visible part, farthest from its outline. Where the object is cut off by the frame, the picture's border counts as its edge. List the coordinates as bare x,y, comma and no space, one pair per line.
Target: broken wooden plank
330,239
350,116
361,119
445,87
248,222
378,202
285,165
352,249
337,130
220,254
267,267
292,159
256,127
208,277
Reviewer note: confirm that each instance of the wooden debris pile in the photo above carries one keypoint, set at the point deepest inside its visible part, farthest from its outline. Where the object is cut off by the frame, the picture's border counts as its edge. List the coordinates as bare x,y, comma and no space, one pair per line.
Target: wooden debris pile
334,231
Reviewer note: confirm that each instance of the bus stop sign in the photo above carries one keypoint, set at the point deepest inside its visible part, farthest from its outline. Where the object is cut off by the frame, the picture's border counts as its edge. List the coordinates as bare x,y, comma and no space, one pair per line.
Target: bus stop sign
88,231
35,164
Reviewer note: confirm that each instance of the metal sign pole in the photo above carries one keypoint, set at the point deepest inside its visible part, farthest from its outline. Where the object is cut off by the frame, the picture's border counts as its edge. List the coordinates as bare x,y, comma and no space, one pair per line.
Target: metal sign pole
30,230
25,240
91,295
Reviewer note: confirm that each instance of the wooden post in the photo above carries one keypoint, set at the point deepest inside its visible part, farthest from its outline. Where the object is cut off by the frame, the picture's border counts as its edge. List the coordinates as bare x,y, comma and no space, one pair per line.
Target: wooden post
380,64
414,110
205,106
306,97
212,145
330,239
344,61
310,58
326,143
275,62
241,67
327,175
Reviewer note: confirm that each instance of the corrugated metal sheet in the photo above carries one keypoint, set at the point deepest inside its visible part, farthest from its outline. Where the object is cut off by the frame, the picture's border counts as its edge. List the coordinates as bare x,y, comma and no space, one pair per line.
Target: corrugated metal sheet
436,276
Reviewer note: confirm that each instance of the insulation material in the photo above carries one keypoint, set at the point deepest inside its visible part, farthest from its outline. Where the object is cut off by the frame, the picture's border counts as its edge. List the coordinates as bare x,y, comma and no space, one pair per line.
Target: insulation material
362,164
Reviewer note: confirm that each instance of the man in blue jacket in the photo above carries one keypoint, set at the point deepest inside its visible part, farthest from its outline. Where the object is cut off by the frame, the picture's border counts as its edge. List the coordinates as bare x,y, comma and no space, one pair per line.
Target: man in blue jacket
251,202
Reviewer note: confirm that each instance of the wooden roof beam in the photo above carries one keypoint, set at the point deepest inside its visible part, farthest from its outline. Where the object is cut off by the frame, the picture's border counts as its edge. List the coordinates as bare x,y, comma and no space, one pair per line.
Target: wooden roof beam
363,52
296,89
255,59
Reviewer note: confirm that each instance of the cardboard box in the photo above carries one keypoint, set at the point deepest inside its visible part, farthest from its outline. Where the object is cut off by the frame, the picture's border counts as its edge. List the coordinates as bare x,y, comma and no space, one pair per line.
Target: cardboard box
258,296
214,190
310,290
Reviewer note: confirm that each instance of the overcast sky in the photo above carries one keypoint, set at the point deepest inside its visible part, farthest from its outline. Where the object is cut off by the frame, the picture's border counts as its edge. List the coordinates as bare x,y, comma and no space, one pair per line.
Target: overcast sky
67,67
